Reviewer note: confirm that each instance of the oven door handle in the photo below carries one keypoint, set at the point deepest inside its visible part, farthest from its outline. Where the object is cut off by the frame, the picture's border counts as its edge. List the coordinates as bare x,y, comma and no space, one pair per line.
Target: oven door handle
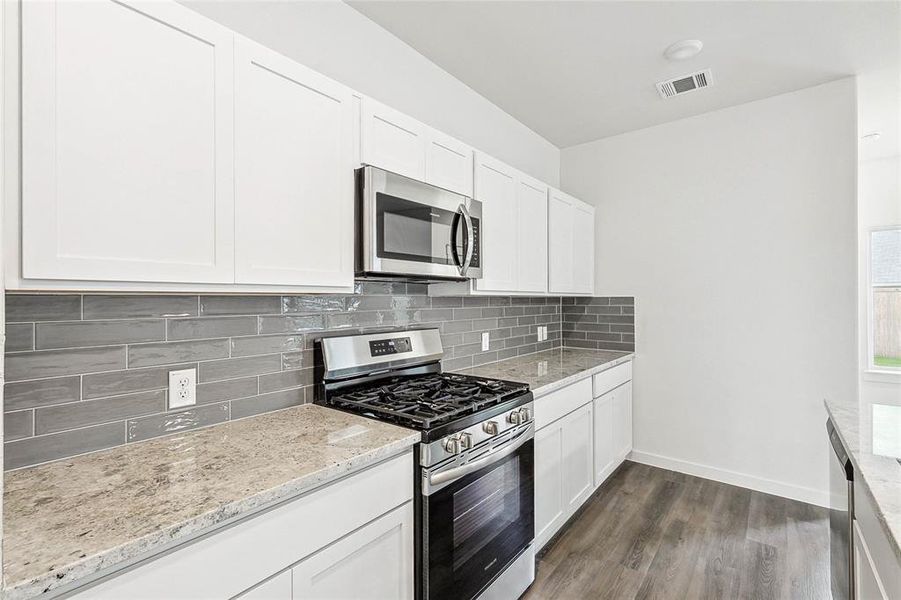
470,240
495,455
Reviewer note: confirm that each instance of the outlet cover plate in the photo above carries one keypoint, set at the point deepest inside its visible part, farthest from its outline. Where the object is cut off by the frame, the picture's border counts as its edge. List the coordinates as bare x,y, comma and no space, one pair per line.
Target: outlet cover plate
486,341
182,388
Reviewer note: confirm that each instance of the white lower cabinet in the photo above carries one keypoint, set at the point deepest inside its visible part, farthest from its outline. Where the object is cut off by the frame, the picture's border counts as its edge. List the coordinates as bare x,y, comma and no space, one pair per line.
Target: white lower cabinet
302,548
877,570
866,581
584,433
612,430
604,456
577,457
563,470
383,551
622,421
277,588
549,509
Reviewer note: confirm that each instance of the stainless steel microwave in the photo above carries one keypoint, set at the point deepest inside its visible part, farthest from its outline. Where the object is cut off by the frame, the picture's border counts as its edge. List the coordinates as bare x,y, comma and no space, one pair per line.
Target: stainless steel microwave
410,229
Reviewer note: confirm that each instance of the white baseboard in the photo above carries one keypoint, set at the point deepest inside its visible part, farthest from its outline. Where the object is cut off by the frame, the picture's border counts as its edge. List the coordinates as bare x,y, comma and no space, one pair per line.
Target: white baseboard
760,484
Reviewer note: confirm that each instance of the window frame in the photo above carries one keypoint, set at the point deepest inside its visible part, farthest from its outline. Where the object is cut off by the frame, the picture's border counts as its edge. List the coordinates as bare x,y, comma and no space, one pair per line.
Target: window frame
873,371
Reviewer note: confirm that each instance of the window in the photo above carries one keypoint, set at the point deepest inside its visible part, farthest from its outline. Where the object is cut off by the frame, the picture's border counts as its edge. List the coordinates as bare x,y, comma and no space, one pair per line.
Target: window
885,299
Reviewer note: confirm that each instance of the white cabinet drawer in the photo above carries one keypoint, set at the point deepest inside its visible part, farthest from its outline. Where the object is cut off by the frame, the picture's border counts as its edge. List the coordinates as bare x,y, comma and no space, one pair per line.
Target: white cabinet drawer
551,407
611,378
237,558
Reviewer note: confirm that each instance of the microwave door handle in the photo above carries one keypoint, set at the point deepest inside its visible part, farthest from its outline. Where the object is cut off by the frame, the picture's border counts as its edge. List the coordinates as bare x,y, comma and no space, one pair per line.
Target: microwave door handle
455,223
470,240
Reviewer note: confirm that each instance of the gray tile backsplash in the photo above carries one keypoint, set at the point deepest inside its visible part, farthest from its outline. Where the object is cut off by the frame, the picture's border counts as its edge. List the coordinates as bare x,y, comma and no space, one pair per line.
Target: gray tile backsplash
599,323
89,372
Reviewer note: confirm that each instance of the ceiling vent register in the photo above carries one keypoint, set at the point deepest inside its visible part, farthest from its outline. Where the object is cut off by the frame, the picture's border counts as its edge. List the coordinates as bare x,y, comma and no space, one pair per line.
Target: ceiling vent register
685,84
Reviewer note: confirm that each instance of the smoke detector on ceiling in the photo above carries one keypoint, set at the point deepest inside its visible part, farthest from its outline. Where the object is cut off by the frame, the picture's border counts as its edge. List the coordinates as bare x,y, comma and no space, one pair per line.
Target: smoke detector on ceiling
685,84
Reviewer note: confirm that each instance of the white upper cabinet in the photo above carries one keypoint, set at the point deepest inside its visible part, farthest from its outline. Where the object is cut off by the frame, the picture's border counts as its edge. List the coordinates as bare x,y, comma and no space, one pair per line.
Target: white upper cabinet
496,188
127,143
514,228
293,173
401,144
393,141
531,200
583,248
448,163
570,245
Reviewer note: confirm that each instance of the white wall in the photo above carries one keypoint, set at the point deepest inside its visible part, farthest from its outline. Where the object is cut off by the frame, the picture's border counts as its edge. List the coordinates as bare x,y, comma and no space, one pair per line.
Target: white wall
735,230
336,40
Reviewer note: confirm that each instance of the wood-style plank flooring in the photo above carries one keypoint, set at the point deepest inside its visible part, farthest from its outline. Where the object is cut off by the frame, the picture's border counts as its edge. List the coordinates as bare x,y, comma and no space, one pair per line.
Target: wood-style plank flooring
653,533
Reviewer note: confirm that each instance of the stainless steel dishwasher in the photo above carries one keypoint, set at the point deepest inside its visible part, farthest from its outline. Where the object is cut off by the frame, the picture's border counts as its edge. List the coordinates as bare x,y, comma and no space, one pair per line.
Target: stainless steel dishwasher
841,518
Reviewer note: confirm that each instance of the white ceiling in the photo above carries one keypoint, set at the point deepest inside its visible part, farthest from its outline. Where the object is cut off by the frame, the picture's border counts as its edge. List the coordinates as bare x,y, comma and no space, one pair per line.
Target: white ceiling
579,71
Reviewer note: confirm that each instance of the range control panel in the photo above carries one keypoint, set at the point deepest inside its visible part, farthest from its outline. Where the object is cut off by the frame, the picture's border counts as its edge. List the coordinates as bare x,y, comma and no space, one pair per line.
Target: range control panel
392,346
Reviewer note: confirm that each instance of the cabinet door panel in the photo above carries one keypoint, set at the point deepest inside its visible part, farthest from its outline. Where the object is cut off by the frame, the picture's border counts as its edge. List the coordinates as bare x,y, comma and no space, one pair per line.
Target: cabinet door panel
277,588
549,504
604,454
373,562
127,154
294,187
867,584
495,187
533,234
448,164
393,141
560,243
577,457
622,419
583,248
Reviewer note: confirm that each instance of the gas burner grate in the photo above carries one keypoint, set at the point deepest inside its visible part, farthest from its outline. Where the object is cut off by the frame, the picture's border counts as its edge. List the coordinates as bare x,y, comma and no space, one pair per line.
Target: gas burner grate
424,401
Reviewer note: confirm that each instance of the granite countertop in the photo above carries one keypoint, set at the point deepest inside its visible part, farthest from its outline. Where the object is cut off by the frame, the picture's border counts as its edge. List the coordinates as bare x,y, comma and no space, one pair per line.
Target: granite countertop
551,370
70,519
872,435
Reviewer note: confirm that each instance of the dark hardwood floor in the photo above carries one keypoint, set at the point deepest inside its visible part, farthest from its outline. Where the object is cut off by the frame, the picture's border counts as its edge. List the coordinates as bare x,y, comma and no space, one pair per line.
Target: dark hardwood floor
653,533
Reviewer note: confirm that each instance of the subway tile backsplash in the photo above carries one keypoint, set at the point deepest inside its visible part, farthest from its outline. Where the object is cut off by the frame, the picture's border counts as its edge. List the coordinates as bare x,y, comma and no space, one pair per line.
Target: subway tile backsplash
86,372
599,323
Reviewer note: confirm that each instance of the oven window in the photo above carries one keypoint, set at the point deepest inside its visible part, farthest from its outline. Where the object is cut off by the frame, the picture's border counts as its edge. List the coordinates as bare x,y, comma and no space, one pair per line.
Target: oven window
484,509
416,232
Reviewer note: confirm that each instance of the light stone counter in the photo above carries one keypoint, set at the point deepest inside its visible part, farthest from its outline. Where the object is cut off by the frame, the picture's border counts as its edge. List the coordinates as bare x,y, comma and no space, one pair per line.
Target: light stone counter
872,434
551,370
67,520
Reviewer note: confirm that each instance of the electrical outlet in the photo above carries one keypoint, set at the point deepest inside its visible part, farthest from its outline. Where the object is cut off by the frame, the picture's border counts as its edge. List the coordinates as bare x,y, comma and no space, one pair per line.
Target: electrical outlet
486,340
182,388
542,333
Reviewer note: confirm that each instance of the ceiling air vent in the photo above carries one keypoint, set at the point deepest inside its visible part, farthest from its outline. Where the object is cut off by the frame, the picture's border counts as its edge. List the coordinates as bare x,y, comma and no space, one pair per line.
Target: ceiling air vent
685,84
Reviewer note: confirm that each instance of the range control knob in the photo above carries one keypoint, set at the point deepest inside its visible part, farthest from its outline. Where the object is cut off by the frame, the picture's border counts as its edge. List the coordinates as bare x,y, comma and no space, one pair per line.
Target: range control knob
525,414
465,441
490,427
452,445
515,418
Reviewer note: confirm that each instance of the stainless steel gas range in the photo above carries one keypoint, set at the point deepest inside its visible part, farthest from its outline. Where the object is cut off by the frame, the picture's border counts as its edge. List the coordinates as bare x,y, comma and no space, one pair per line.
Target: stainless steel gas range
474,496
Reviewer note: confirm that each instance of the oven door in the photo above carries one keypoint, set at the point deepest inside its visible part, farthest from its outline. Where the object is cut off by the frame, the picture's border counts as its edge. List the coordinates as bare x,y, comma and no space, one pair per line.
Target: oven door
477,516
412,228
